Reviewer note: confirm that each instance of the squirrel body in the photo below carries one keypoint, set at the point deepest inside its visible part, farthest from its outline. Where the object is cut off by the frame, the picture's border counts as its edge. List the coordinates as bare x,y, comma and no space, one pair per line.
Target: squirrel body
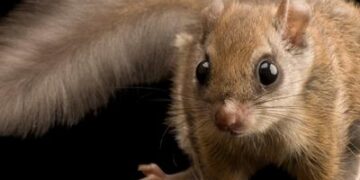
256,82
230,115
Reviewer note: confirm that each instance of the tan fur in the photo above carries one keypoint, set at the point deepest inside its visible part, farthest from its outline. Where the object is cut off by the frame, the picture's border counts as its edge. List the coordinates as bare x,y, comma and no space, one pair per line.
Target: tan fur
320,82
61,59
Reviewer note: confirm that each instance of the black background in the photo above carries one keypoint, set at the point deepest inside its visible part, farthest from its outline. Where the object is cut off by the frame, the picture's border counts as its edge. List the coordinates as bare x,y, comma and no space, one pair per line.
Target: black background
110,144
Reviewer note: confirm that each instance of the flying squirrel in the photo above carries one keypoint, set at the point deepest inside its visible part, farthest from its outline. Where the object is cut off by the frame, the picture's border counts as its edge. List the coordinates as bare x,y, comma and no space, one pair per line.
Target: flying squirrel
268,82
256,82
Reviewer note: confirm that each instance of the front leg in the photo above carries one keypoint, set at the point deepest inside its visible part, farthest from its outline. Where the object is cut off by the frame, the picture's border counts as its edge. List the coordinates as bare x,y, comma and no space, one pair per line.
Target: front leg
154,172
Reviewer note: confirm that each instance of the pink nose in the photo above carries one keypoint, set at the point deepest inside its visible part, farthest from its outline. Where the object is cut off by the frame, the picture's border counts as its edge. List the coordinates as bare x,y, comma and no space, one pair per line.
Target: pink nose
231,117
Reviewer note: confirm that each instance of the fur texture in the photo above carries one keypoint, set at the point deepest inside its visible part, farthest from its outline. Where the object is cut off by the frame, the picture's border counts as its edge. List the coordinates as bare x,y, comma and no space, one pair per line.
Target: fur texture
60,59
302,124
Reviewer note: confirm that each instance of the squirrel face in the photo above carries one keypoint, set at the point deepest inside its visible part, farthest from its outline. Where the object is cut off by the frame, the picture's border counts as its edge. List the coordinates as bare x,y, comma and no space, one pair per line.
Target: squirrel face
249,73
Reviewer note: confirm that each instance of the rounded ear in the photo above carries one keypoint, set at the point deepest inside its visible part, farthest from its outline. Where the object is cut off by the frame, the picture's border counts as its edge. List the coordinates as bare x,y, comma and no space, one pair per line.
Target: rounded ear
212,13
292,20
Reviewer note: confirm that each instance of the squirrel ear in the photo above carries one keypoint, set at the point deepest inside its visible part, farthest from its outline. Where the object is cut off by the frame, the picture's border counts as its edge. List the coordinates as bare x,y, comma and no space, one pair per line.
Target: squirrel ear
292,19
213,12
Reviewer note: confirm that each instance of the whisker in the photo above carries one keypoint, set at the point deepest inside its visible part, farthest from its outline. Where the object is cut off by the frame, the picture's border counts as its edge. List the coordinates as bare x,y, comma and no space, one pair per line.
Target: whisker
163,136
188,108
282,107
144,88
277,98
275,114
284,86
350,149
160,100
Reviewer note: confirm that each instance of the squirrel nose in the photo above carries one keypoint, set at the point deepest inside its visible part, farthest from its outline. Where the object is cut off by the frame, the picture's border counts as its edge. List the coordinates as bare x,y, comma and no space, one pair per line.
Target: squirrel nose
231,117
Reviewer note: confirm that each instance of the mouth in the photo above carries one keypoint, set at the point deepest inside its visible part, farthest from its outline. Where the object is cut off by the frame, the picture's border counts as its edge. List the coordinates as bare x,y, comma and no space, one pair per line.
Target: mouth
234,131
238,134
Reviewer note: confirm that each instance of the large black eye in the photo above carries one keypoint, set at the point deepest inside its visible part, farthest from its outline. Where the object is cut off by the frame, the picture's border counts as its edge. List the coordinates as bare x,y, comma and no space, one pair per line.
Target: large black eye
203,71
268,72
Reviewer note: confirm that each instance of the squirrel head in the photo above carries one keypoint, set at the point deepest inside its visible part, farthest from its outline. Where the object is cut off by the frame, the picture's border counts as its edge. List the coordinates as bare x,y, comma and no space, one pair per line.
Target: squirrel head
249,72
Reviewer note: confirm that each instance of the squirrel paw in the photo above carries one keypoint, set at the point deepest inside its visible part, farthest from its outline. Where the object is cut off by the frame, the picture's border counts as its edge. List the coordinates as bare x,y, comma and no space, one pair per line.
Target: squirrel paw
152,172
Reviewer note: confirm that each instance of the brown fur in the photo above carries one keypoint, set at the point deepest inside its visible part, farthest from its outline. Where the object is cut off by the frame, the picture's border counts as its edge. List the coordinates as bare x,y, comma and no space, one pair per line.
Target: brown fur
317,101
60,59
